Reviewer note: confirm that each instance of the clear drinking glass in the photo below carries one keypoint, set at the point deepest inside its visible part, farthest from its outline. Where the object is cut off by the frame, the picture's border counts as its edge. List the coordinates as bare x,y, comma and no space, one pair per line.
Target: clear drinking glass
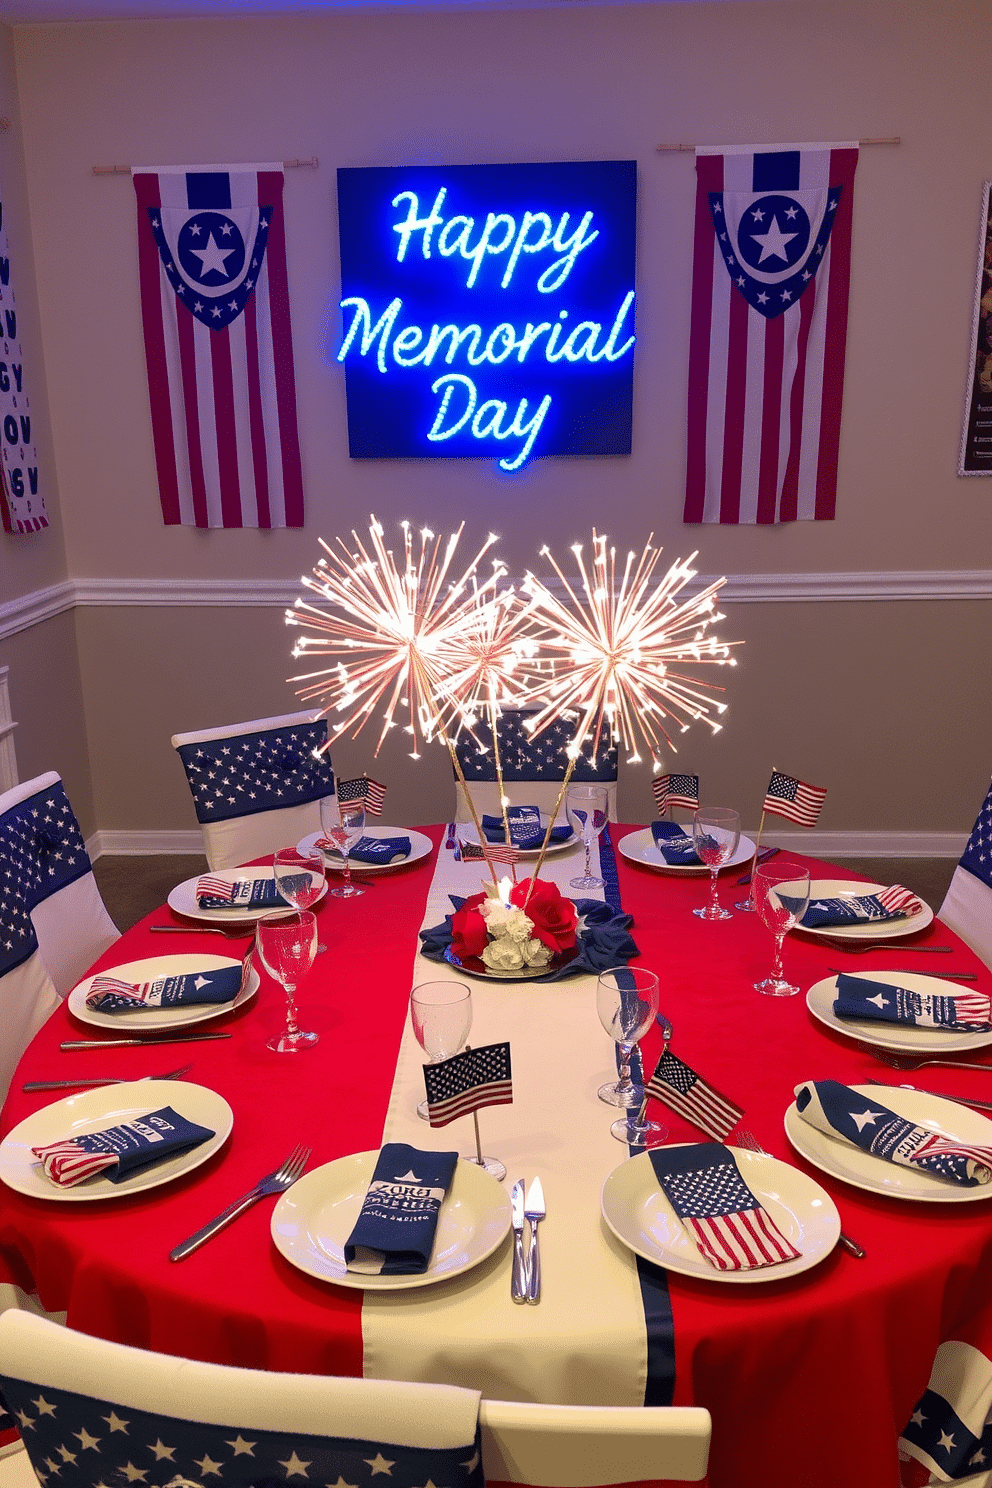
286,946
343,824
716,833
627,1002
585,807
300,877
441,1014
781,897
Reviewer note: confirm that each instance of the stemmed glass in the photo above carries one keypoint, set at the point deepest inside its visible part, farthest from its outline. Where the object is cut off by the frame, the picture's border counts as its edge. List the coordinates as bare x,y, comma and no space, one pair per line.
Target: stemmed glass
441,1014
300,877
716,833
585,807
781,897
343,823
287,945
627,1002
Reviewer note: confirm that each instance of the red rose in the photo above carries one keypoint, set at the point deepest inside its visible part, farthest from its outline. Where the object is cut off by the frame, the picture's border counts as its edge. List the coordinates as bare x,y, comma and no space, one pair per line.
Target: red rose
469,936
554,917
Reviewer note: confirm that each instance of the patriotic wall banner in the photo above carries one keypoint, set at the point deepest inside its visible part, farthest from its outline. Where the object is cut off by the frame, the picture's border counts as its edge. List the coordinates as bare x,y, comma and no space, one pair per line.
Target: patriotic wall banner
770,279
22,506
218,343
976,436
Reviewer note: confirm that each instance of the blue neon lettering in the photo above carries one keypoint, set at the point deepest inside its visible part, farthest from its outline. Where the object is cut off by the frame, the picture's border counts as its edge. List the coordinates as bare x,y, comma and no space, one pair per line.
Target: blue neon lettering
509,342
609,350
522,246
550,354
413,224
531,430
408,340
571,248
380,331
448,245
437,431
488,421
471,333
485,245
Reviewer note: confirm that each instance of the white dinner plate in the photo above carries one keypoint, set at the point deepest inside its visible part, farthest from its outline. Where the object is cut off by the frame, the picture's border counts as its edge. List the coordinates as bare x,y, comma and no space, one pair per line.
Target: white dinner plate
94,1110
900,1037
466,833
639,1214
851,1165
420,847
640,847
183,898
846,888
313,1219
151,970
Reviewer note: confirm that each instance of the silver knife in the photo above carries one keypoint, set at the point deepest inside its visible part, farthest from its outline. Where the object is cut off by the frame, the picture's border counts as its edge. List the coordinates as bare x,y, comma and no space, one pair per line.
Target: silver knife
147,1043
518,1278
534,1210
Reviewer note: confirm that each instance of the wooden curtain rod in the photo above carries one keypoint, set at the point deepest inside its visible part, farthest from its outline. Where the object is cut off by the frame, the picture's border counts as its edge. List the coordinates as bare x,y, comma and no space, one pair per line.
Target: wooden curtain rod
893,139
125,170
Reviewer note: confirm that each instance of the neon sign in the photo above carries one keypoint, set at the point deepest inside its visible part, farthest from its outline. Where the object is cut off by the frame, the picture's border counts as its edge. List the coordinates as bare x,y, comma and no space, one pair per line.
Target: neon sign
488,310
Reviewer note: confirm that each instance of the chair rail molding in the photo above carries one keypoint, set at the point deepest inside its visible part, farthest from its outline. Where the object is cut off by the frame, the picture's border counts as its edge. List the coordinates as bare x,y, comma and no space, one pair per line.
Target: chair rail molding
232,593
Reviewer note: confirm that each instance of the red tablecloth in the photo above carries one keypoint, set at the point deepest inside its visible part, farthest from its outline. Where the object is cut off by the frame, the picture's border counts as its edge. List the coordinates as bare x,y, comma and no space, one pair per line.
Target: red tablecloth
809,1380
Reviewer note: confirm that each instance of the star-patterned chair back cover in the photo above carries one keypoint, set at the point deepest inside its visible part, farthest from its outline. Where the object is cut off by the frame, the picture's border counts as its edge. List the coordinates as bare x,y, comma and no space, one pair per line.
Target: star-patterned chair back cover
533,767
256,786
967,907
90,1412
50,889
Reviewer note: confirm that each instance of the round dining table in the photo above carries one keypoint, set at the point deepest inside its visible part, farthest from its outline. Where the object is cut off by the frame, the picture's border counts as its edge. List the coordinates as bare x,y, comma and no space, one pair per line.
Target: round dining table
810,1378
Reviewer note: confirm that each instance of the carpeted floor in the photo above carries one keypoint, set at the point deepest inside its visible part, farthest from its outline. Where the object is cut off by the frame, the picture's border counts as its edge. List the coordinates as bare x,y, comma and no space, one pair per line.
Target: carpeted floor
134,886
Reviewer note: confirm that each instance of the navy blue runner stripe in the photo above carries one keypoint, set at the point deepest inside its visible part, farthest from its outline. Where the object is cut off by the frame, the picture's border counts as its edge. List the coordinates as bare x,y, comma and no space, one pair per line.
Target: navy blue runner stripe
659,1386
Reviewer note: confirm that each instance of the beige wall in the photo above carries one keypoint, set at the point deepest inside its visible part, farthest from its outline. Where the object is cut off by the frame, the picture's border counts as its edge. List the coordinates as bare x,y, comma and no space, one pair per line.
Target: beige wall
871,699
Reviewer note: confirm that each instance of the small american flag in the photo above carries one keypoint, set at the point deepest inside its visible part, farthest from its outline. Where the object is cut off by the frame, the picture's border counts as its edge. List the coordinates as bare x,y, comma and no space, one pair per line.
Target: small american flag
467,1082
500,852
676,1084
363,789
211,887
731,1228
794,799
675,790
896,900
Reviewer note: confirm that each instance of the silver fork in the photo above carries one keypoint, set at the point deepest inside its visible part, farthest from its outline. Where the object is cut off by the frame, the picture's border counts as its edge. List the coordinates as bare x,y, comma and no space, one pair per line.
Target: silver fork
898,1061
859,947
959,976
278,1181
230,931
30,1085
750,1143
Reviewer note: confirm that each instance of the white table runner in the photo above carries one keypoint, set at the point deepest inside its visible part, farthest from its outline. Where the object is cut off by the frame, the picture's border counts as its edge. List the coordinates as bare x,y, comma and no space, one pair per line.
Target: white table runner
585,1343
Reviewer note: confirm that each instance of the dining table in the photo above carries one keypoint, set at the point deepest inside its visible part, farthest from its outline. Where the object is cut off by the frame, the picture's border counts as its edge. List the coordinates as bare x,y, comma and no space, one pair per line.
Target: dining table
810,1376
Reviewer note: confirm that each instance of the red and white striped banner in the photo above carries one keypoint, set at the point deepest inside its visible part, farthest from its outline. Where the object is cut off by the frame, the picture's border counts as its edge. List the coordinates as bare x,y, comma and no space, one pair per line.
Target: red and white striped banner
218,343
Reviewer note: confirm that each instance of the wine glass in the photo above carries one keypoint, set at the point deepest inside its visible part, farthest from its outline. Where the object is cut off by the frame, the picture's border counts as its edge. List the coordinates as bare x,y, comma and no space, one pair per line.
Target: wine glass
300,877
627,1002
441,1014
585,807
343,823
716,832
286,946
781,897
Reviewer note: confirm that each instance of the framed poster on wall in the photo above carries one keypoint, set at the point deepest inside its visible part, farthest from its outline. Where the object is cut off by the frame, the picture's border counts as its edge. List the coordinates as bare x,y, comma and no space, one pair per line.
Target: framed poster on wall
976,436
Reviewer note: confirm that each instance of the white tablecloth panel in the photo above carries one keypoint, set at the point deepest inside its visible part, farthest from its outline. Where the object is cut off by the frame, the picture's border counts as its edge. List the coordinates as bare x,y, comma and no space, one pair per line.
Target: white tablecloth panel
585,1343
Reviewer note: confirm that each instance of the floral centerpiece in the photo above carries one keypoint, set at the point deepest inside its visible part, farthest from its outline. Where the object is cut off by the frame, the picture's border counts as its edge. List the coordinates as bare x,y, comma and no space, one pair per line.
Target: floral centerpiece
494,927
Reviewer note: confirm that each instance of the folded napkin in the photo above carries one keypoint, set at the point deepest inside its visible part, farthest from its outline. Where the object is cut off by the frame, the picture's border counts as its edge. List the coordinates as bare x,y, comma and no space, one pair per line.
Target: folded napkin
894,903
602,940
526,831
957,1012
675,845
109,994
841,1112
394,1233
371,849
730,1227
214,892
119,1151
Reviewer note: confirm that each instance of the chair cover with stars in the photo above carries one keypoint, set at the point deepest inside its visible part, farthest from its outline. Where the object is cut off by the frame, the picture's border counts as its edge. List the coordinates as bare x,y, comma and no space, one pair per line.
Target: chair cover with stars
256,786
49,900
967,907
90,1412
533,767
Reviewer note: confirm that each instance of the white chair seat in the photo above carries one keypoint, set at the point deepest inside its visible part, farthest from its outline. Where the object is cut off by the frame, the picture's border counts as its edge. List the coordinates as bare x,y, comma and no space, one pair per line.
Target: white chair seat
967,907
27,998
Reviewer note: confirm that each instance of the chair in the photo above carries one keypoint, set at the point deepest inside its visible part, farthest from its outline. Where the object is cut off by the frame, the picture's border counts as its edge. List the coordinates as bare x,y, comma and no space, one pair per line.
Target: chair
42,850
256,786
243,1420
967,906
533,767
27,996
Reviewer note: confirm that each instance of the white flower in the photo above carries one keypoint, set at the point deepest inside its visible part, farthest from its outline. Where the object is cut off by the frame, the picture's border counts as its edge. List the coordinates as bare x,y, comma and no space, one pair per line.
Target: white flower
503,955
536,953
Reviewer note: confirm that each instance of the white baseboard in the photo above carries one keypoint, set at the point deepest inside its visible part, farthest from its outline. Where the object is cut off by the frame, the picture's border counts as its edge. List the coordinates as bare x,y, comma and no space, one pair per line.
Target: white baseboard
827,845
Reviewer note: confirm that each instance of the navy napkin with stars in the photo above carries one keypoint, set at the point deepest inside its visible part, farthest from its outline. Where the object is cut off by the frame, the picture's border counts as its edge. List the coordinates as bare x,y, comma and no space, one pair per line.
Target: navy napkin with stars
839,1111
119,1151
213,892
526,831
956,1012
394,1232
675,845
110,994
894,903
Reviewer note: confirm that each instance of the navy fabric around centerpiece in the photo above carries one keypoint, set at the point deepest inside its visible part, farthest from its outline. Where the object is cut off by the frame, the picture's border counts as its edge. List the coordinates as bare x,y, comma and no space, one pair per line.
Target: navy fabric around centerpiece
394,1232
603,940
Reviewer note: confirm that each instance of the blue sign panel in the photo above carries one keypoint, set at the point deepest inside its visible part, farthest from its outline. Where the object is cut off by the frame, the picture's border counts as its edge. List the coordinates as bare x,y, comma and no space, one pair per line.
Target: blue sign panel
488,310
